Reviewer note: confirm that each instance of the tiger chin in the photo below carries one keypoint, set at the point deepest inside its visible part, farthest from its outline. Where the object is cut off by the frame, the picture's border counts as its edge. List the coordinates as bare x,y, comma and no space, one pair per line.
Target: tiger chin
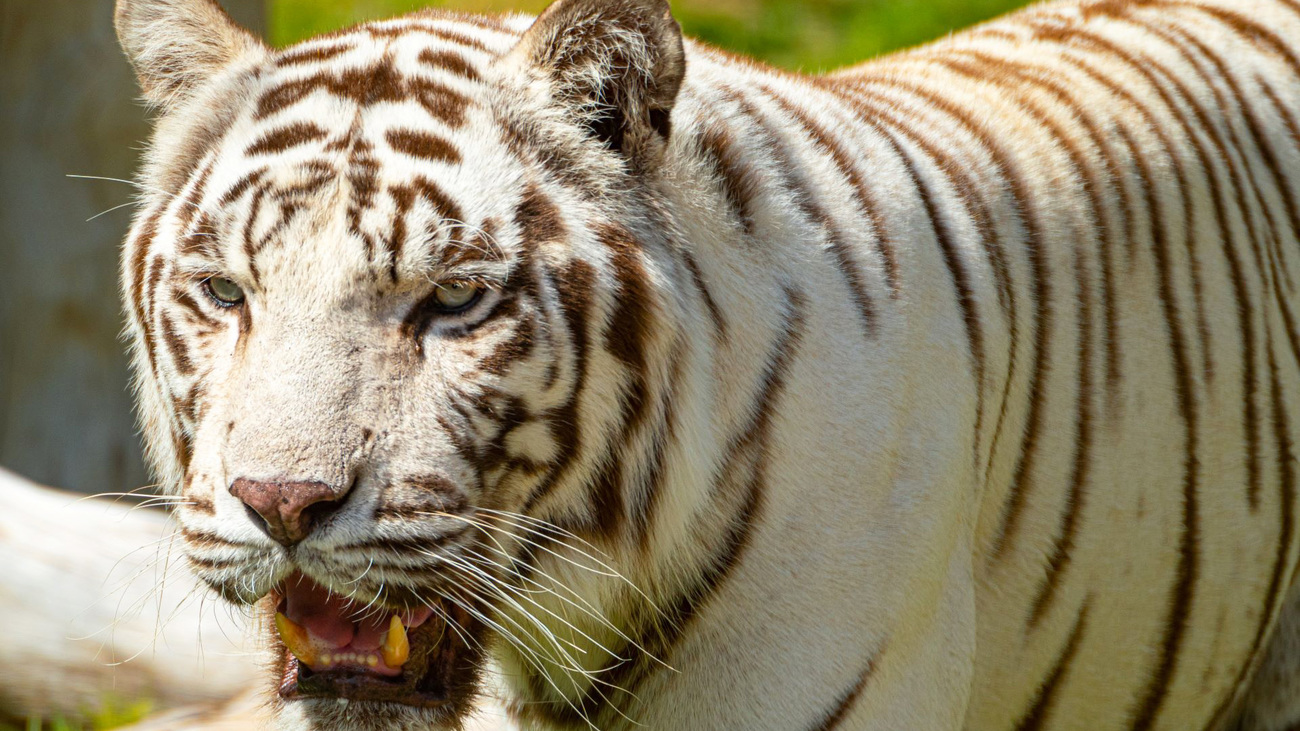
563,364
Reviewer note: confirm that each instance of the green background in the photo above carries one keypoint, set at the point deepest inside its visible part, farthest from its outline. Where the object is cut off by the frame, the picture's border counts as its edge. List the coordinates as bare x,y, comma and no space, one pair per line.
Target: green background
813,35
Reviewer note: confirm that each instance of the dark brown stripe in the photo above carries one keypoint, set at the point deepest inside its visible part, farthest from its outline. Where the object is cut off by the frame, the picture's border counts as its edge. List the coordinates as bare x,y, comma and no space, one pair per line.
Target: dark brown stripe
645,503
445,34
1182,593
449,61
404,197
715,312
242,186
1144,64
626,337
377,84
538,218
996,71
1274,598
300,56
1076,497
880,111
792,179
747,446
441,102
202,240
1041,285
512,350
1235,143
971,192
1218,197
395,241
1246,313
1252,32
422,145
149,304
182,297
846,702
249,241
847,167
741,184
1284,303
189,206
176,348
284,138
138,255
1045,698
574,288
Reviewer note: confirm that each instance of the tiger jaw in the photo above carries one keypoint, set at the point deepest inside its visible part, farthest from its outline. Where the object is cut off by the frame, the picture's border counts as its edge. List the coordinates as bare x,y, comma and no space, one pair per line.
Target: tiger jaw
337,648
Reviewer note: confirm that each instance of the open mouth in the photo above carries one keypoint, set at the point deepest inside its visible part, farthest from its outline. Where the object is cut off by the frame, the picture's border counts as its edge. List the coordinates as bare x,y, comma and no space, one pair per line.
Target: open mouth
338,648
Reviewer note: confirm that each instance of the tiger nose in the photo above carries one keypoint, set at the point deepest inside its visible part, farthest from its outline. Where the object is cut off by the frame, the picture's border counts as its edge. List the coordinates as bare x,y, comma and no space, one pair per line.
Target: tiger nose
289,510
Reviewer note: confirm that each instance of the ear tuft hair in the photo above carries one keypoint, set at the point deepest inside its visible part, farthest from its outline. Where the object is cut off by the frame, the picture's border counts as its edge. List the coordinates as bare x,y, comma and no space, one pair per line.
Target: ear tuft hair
176,45
615,64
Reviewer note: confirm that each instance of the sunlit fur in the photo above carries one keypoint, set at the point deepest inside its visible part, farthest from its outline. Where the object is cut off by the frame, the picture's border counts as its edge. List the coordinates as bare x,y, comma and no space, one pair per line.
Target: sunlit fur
957,390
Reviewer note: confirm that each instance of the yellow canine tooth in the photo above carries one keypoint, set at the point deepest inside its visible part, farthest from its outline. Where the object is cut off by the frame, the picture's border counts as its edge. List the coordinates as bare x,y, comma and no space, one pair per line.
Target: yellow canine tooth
396,649
295,638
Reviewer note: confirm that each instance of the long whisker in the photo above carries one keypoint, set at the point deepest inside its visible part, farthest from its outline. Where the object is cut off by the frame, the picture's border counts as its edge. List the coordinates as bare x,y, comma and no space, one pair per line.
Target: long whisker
514,519
523,592
587,608
506,593
528,656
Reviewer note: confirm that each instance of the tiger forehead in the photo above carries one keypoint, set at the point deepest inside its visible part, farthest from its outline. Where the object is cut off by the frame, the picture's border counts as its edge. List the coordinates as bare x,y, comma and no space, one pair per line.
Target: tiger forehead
374,126
416,79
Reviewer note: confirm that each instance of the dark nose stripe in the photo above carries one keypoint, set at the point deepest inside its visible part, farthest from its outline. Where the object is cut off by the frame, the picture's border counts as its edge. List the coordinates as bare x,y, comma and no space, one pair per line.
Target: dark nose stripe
289,510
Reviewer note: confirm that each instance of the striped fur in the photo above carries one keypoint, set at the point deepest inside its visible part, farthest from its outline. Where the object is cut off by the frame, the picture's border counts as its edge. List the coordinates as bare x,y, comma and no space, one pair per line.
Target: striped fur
956,390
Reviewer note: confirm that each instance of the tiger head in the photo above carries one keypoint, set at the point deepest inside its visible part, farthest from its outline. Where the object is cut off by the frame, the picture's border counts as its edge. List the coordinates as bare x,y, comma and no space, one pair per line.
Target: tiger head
403,310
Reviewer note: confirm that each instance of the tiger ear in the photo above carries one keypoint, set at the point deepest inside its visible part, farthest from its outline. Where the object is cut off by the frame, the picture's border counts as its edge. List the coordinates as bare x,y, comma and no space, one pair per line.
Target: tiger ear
616,65
176,45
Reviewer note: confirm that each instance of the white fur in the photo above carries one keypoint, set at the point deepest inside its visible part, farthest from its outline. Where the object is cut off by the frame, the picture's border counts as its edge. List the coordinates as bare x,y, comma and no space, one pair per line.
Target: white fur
890,568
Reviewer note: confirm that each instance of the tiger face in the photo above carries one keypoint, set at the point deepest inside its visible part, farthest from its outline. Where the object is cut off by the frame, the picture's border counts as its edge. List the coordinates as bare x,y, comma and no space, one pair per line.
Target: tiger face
372,300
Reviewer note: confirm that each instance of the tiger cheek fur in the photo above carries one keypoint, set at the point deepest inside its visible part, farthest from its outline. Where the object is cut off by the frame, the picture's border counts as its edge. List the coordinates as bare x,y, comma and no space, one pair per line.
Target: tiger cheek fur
518,359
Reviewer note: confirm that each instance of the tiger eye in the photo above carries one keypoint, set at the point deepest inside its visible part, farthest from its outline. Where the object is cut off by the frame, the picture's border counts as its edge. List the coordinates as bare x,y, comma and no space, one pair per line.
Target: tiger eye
456,296
224,291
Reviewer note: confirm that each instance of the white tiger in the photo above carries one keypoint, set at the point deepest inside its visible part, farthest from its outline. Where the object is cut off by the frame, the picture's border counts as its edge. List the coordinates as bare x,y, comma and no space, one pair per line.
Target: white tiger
650,387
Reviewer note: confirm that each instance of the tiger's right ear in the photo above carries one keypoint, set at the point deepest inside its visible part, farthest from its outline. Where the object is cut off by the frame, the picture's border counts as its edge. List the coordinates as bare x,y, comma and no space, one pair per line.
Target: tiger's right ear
614,66
176,45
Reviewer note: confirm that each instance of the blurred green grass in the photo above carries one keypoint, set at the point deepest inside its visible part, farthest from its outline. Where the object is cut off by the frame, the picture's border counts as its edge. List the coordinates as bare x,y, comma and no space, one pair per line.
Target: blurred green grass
812,35
112,713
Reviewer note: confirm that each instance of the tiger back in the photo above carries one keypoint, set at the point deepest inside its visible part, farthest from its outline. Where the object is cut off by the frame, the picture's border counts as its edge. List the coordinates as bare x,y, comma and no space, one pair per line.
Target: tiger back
567,364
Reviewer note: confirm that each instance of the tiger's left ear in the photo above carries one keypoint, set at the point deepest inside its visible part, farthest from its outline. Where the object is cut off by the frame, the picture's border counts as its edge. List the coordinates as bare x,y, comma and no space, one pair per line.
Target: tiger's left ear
175,46
615,65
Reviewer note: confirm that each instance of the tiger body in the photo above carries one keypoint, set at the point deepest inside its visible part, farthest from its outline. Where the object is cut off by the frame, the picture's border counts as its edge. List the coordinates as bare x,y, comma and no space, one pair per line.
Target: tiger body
955,390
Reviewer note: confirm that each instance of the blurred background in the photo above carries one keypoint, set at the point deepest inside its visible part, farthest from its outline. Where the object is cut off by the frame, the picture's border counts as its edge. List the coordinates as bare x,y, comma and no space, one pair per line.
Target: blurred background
70,135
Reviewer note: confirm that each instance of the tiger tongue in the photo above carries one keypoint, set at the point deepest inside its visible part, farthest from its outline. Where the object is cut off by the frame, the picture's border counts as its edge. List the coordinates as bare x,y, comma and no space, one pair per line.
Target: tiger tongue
327,616
337,622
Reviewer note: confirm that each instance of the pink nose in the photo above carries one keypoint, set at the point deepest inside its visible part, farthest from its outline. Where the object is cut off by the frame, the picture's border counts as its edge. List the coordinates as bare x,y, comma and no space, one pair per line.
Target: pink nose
289,510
